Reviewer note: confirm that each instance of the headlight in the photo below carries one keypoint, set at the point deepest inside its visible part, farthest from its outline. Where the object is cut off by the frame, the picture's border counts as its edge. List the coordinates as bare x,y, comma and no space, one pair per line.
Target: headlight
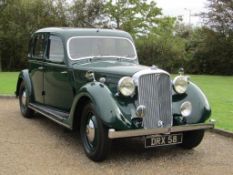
186,109
126,86
180,84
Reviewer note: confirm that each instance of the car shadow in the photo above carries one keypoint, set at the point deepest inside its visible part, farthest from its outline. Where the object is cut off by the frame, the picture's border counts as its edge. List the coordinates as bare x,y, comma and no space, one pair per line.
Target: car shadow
124,148
127,149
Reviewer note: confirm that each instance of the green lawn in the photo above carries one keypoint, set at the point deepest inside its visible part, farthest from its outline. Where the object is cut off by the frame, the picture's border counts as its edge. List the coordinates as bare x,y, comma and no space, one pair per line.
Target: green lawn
218,89
8,82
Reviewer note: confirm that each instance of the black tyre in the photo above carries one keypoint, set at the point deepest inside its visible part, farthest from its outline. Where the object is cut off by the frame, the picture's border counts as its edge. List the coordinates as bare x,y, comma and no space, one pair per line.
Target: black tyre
94,134
24,101
192,139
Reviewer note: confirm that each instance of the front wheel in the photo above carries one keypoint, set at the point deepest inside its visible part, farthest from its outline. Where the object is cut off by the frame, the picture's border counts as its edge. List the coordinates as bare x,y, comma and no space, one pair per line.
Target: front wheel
24,101
94,134
192,139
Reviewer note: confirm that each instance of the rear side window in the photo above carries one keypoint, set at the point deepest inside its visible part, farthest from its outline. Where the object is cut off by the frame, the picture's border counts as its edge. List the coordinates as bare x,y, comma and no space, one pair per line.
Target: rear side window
39,46
56,49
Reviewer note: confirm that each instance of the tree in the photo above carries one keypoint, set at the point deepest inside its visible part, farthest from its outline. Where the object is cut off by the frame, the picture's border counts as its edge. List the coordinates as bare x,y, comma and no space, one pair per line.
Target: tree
134,16
84,13
19,19
219,16
2,6
213,44
162,46
211,52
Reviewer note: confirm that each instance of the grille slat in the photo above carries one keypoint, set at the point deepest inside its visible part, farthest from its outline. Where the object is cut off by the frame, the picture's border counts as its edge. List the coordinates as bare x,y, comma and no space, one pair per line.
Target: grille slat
154,92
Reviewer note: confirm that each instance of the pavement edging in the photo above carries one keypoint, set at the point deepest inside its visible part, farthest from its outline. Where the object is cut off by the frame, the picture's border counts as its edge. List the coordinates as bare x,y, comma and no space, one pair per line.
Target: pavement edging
7,96
222,132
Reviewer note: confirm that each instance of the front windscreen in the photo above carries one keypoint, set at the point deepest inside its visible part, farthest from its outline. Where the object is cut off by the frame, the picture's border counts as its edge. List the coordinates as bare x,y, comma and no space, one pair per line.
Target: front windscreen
88,47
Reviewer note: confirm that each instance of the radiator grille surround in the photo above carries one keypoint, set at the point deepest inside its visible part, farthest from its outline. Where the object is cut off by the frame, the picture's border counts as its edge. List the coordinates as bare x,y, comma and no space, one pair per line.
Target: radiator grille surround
155,93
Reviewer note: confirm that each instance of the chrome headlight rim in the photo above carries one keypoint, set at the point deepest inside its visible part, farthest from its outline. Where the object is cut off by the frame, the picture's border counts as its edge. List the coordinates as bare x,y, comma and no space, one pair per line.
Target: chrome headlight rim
120,86
186,108
180,84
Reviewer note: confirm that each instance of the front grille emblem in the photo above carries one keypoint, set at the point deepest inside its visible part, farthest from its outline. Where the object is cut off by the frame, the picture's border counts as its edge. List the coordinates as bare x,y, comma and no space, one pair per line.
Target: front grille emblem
160,123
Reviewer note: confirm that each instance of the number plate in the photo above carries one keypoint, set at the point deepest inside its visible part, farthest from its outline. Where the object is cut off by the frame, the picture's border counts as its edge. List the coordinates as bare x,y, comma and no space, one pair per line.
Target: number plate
161,140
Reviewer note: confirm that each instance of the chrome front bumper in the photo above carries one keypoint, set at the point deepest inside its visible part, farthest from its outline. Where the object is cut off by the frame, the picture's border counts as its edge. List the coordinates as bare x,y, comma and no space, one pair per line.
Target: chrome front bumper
112,134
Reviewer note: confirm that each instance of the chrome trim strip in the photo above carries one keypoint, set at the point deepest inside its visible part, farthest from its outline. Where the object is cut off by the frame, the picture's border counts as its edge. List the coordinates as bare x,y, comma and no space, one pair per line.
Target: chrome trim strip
112,134
48,116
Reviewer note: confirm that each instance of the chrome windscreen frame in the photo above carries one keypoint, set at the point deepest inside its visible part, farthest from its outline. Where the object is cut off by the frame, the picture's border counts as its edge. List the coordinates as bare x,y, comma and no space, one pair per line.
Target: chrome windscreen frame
81,58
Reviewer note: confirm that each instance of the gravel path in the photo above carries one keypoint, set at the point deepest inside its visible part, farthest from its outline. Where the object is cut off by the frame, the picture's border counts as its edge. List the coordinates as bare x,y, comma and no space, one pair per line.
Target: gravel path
39,146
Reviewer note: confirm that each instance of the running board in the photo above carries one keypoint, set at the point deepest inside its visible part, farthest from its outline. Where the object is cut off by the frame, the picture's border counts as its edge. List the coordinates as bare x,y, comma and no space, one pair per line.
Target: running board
54,115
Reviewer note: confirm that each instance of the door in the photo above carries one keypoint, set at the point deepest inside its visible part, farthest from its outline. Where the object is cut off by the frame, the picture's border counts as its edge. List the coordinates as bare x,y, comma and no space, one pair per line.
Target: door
57,77
36,65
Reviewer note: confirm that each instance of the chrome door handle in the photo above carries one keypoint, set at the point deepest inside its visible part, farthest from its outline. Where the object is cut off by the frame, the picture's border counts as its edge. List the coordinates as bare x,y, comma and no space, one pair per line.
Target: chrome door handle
41,68
64,72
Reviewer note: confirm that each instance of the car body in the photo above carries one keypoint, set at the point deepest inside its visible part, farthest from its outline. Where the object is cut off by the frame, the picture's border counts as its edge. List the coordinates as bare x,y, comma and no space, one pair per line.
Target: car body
91,79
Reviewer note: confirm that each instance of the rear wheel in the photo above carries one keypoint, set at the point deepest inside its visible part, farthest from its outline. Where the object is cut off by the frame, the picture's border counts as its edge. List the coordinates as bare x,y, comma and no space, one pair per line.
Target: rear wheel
94,134
24,101
192,139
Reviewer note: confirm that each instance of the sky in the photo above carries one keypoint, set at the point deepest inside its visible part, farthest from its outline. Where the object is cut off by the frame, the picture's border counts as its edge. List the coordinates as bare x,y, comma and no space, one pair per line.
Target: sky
177,7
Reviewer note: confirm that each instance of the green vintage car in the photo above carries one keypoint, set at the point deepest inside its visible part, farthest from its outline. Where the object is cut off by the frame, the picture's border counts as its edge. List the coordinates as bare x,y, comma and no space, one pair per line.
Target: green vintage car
91,80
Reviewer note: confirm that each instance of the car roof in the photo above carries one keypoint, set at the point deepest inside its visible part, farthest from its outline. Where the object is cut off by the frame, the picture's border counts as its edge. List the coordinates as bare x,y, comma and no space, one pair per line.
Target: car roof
68,32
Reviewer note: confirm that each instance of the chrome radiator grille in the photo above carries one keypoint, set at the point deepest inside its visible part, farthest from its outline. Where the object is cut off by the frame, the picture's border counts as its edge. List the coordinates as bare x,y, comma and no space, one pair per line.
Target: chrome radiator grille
154,92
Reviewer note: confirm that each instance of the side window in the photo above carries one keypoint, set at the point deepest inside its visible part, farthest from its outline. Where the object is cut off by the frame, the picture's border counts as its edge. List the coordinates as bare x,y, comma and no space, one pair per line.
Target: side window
39,46
56,49
30,45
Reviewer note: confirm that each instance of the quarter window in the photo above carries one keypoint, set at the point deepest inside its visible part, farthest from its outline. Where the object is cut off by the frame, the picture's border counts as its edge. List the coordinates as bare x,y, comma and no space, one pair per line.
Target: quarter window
56,50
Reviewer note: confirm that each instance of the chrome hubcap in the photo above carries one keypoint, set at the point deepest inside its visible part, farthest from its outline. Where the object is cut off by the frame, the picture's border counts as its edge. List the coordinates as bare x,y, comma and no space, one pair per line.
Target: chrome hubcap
90,130
24,98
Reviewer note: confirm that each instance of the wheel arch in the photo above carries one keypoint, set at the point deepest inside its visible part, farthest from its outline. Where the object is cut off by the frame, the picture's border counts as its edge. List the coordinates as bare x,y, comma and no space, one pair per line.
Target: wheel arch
19,81
104,103
78,111
201,109
24,76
